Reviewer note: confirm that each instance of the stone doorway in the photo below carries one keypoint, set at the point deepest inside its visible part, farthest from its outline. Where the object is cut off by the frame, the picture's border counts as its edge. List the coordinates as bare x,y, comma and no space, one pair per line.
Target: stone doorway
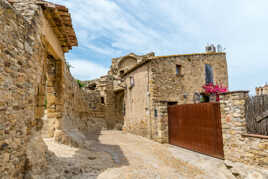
119,108
53,97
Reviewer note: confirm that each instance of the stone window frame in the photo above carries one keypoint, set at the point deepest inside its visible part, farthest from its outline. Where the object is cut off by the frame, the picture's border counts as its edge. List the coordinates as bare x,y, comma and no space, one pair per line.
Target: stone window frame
131,82
121,72
102,100
179,70
155,113
209,70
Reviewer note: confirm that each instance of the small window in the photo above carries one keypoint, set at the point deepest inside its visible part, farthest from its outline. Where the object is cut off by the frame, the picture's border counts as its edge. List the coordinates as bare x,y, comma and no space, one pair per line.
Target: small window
178,70
92,86
102,100
155,113
204,98
209,74
132,83
122,72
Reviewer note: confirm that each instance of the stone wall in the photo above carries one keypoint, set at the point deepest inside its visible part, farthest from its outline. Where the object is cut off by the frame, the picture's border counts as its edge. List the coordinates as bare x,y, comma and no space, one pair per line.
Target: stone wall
110,100
181,87
22,65
160,121
137,102
26,8
125,63
238,148
33,71
157,84
262,90
168,86
83,111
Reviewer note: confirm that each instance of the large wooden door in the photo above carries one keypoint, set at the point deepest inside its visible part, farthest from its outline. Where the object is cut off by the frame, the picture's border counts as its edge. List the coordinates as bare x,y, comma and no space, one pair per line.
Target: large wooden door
196,127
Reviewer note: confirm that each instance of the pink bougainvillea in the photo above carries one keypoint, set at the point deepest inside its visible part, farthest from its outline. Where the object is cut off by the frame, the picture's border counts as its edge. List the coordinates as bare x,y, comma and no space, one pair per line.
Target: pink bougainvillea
214,89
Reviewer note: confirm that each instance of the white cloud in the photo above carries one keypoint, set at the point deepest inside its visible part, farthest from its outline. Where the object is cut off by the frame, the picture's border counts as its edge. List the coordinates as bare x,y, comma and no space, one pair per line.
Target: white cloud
103,50
114,28
86,70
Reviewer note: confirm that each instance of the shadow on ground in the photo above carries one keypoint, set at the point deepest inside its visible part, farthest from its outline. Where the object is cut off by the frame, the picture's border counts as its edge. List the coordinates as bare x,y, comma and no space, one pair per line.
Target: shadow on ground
88,161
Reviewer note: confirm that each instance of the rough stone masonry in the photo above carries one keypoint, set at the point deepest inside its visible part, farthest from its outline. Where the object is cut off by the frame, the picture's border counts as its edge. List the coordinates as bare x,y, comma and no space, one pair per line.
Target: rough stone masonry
34,37
150,83
34,76
238,148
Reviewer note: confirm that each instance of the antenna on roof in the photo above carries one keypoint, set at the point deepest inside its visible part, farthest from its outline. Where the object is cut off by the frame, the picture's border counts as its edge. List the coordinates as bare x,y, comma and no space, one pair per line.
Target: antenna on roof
219,48
210,48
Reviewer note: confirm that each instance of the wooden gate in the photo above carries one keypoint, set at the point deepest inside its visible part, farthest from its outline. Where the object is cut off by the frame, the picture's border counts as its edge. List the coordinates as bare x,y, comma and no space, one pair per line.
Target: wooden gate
196,127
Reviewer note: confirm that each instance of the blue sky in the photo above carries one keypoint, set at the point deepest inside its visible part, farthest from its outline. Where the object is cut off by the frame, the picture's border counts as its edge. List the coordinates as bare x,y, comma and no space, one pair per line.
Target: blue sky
113,28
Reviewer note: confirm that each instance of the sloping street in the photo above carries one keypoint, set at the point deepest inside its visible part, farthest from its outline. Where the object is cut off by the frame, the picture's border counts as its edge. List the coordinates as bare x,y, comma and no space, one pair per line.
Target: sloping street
114,154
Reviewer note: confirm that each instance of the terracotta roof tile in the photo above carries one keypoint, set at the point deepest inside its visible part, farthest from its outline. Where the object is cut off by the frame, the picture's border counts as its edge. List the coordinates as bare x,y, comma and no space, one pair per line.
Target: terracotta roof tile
61,22
60,16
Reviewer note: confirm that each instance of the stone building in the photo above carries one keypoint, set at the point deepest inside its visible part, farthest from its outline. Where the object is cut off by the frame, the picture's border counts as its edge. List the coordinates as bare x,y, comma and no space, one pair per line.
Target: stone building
135,94
140,88
262,90
111,100
35,34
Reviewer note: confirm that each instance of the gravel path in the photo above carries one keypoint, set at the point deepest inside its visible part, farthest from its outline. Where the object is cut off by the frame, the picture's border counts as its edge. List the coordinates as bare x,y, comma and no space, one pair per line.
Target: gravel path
114,154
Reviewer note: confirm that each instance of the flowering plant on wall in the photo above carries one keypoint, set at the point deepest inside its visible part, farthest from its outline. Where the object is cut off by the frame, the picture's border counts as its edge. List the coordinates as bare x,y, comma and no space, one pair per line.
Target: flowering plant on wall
216,90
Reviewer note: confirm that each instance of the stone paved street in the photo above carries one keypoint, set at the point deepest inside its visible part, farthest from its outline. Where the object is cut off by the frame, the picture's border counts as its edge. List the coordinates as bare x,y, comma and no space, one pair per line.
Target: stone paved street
114,154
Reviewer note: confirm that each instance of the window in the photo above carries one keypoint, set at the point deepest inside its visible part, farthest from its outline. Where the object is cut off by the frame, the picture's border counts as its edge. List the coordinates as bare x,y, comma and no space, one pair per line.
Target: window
204,98
178,70
102,100
155,113
92,86
122,72
209,74
132,83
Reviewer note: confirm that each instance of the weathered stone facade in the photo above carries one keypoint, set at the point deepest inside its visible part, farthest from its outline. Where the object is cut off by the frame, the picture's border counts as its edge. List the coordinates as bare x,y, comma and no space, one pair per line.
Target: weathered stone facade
123,64
159,81
181,87
238,148
82,111
137,102
262,90
21,68
137,91
34,37
110,99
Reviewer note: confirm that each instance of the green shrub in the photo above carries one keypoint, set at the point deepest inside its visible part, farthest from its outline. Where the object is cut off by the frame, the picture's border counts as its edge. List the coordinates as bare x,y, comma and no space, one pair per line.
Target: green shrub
81,85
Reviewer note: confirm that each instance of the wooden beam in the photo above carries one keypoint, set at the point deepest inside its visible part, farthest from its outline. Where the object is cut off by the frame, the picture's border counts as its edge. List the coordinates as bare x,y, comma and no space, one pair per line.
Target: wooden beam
255,135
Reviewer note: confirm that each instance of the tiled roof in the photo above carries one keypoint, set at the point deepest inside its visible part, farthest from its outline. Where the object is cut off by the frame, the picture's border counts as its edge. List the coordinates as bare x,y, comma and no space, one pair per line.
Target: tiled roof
61,22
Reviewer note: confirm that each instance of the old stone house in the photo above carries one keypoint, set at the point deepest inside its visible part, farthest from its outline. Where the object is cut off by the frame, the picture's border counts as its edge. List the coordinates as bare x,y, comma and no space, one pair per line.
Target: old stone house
262,90
138,89
154,82
151,85
110,99
135,94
